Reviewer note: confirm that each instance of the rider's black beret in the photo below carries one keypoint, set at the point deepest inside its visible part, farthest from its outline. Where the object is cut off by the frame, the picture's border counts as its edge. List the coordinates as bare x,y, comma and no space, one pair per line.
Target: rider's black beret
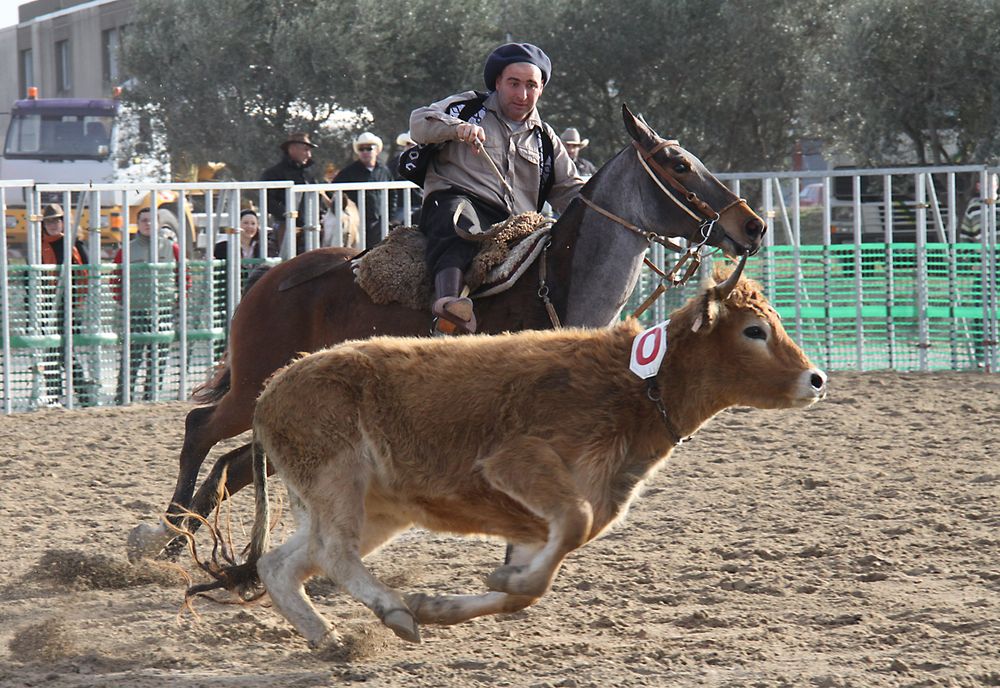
511,53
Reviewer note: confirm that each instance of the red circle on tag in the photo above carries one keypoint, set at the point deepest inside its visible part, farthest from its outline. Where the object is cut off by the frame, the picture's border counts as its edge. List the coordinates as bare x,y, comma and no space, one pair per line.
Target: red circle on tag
641,357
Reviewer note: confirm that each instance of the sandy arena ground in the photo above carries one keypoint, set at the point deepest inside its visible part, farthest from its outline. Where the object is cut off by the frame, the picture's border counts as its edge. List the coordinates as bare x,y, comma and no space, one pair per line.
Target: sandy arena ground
856,543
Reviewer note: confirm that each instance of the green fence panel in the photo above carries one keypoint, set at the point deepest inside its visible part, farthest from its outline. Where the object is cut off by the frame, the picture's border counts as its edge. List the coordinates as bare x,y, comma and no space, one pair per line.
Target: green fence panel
859,308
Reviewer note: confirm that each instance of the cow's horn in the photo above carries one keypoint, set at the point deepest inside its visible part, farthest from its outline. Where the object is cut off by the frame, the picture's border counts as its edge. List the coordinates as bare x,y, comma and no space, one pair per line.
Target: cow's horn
723,290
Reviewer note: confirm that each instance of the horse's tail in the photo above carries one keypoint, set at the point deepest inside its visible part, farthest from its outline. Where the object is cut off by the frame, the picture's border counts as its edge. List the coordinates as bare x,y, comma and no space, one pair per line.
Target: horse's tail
212,391
242,578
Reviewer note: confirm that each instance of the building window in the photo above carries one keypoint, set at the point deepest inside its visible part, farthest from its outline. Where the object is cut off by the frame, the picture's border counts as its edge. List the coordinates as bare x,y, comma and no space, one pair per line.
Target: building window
27,71
111,42
64,81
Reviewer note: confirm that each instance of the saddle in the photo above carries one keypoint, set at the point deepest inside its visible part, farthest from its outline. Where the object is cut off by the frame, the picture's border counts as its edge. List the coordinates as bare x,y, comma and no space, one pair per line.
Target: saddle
395,270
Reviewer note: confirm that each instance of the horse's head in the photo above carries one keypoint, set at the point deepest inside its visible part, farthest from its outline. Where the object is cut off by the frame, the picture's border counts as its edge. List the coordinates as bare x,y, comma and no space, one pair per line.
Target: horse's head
715,214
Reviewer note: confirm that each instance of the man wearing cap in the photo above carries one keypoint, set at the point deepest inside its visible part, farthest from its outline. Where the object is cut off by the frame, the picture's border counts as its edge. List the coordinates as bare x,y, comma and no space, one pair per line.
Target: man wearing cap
54,253
571,138
294,166
462,188
367,168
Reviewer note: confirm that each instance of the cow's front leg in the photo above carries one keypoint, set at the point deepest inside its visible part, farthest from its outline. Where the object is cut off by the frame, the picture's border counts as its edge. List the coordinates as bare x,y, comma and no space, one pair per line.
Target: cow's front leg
453,609
531,472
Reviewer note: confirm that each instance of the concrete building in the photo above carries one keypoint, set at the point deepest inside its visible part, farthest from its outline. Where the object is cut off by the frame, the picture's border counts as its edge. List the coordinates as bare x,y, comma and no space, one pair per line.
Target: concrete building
67,48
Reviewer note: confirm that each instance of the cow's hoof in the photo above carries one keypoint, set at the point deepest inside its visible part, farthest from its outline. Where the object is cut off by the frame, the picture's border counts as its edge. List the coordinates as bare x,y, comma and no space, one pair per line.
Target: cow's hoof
146,541
328,642
403,624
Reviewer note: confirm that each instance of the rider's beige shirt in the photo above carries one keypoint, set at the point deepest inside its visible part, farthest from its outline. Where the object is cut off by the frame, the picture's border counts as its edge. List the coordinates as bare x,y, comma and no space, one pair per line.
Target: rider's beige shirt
516,154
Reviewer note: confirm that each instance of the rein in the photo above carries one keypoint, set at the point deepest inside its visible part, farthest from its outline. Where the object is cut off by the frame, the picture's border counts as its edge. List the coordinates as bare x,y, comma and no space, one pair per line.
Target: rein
706,217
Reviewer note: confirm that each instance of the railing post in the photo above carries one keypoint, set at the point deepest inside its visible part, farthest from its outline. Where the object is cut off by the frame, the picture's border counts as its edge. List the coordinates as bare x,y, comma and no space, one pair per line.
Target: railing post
69,243
923,334
182,296
8,400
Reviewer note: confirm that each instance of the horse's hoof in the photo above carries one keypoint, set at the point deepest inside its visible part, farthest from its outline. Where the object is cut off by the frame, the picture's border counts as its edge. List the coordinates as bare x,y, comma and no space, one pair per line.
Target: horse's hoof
402,623
146,541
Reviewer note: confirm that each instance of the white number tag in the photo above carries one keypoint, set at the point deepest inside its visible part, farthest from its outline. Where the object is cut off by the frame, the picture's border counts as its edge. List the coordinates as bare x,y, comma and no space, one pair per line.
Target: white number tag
648,349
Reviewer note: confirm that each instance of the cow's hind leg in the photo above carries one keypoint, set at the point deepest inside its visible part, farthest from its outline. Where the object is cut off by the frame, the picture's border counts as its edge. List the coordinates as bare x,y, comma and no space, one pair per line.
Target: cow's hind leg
531,472
283,571
340,537
452,609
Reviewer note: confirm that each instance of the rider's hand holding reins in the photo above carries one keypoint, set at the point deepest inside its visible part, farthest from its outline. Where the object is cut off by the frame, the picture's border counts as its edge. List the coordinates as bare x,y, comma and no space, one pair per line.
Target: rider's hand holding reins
472,134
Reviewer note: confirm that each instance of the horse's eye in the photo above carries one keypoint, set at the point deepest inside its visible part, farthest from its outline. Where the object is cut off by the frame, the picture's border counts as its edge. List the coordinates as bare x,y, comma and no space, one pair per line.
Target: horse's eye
681,167
755,332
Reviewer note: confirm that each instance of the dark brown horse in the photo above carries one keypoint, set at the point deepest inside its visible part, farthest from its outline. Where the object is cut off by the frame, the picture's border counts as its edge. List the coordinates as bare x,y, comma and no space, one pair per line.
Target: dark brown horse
651,189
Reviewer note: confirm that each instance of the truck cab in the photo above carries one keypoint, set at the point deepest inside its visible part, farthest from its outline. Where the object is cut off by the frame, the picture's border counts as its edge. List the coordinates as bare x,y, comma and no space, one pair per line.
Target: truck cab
56,140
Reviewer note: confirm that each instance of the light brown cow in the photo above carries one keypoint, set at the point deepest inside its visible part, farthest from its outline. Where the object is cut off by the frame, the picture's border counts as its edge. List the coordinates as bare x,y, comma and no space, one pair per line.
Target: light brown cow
539,438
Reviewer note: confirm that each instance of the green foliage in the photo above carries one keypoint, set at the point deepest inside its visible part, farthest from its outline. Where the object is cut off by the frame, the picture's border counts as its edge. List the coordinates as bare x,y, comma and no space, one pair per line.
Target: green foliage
884,81
912,81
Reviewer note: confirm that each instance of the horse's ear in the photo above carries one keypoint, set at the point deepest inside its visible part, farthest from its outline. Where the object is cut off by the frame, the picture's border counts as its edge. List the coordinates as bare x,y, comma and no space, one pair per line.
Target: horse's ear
637,128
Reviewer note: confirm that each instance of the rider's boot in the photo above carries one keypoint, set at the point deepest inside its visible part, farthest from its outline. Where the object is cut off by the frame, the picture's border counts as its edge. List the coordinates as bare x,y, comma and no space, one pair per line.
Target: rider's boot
452,309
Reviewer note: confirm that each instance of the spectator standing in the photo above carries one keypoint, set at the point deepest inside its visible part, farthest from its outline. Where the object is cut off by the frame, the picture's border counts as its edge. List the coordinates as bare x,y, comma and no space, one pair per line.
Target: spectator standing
571,138
248,236
294,166
367,168
53,253
152,303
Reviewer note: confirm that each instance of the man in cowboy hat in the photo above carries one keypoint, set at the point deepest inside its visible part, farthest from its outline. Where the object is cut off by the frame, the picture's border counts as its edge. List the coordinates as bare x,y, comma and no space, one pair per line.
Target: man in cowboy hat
294,166
571,137
464,190
367,168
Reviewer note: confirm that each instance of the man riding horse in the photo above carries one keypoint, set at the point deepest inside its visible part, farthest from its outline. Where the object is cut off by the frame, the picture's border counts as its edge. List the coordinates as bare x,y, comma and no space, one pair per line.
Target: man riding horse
511,163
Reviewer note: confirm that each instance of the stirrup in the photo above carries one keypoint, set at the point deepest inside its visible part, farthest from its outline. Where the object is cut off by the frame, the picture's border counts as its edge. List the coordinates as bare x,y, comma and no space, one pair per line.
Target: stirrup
455,315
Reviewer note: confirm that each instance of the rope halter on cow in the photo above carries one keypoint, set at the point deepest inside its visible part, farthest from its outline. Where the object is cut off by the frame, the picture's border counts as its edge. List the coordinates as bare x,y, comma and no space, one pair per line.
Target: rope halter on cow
653,392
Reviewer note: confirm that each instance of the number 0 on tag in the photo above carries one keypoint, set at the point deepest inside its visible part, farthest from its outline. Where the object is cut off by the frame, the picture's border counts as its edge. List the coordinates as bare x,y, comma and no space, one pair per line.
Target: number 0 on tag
648,349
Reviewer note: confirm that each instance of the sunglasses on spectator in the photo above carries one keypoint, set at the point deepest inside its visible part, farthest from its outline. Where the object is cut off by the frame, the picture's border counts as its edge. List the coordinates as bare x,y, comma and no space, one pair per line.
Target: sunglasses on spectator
366,148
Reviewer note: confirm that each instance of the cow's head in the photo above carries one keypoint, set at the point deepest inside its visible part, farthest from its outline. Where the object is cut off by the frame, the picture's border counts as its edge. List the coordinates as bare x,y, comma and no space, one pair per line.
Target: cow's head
734,342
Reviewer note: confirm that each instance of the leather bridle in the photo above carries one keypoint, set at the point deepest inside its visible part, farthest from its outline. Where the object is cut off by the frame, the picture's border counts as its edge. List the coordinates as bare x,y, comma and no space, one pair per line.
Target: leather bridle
699,210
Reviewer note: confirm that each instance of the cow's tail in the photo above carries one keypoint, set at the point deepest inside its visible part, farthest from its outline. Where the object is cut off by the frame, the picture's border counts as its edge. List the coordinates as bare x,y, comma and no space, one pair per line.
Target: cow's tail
242,578
260,535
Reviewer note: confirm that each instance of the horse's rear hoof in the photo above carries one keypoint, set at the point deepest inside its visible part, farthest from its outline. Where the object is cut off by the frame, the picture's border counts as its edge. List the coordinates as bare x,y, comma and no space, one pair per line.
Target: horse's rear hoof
403,624
146,541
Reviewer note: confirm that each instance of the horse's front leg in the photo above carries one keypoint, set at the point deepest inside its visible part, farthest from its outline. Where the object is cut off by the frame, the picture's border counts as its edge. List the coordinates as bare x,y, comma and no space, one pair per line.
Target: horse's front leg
203,429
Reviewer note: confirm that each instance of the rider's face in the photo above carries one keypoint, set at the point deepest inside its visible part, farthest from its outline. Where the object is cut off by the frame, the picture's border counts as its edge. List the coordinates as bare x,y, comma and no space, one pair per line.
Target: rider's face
518,88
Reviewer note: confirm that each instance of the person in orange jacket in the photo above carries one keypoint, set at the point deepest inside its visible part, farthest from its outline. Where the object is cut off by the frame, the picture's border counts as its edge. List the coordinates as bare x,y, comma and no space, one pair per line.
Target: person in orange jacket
53,253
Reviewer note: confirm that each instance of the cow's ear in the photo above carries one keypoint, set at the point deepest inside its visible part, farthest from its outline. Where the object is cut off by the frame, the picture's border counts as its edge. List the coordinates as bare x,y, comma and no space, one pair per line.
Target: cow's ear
708,312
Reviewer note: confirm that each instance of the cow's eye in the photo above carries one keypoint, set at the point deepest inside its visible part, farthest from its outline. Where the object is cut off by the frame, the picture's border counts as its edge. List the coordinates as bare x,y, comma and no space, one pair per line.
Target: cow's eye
681,167
755,332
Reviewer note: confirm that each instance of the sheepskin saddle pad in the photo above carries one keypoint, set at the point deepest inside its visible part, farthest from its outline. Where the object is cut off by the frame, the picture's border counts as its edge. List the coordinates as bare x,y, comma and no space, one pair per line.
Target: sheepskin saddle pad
395,270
